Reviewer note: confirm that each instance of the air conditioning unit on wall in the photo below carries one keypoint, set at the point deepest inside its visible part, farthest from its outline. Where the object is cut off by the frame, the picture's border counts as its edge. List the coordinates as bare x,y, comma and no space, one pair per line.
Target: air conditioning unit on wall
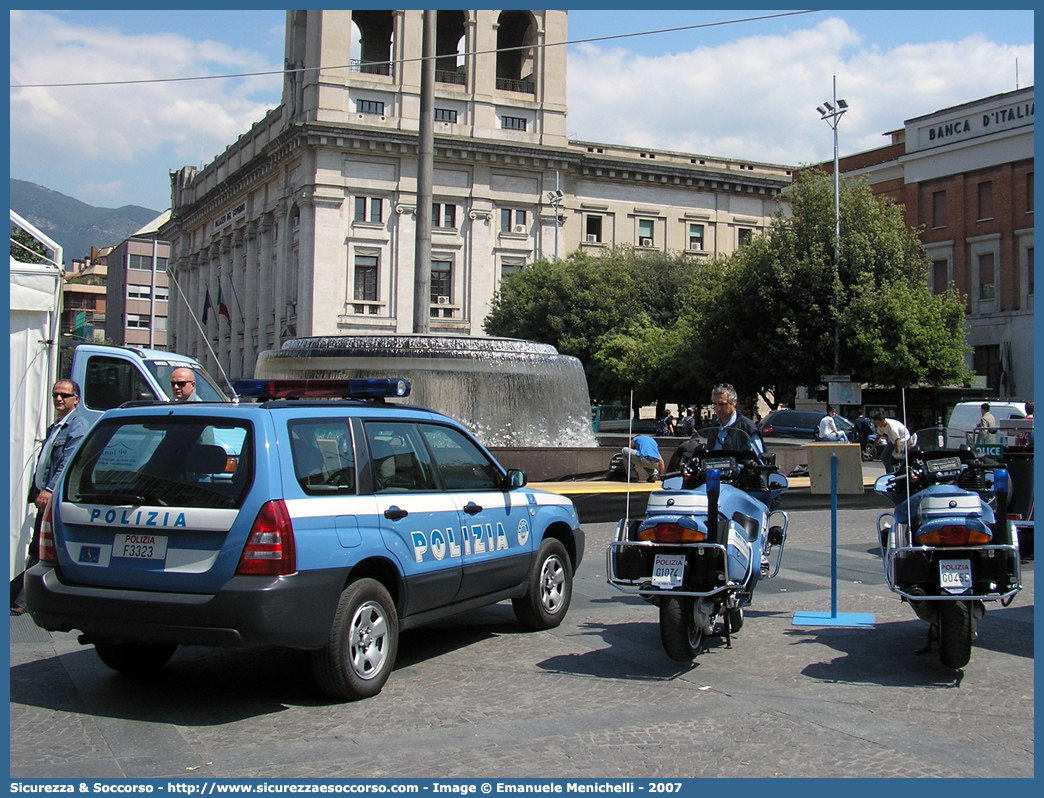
519,228
645,242
592,238
442,300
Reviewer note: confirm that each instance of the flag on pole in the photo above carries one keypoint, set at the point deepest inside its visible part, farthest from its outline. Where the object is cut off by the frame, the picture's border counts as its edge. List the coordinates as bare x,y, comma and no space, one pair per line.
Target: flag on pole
222,307
206,306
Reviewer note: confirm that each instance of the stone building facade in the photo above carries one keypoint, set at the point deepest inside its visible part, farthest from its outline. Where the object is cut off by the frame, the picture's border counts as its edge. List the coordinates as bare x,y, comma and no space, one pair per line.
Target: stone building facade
965,177
306,225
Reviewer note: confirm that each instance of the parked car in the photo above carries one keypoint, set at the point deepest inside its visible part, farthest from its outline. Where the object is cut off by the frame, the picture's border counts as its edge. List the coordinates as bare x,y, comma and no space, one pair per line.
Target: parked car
800,424
327,526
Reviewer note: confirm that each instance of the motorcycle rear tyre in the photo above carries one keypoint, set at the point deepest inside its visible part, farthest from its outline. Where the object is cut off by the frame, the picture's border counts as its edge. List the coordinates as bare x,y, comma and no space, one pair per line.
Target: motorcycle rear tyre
682,639
956,633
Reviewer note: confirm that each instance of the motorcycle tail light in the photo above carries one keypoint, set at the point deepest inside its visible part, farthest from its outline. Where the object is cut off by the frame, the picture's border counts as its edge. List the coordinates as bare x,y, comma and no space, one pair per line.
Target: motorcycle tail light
955,535
672,533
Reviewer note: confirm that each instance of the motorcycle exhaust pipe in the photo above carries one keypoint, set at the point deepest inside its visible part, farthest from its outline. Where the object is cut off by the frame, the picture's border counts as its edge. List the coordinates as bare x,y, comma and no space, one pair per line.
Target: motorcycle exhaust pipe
1002,526
713,489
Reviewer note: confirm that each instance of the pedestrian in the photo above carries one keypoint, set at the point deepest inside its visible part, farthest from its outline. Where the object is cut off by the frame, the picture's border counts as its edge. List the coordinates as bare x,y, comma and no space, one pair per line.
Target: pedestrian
61,439
644,455
987,426
183,385
828,430
893,438
863,430
688,424
666,425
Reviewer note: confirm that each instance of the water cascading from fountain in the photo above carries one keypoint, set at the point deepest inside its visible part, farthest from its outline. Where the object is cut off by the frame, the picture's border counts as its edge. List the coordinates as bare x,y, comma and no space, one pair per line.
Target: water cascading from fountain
509,392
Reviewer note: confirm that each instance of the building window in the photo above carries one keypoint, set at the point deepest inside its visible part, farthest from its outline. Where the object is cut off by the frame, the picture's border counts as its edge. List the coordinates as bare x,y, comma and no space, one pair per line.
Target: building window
368,209
745,234
445,115
1029,192
513,220
441,280
939,209
369,107
696,237
365,279
987,284
137,321
138,291
645,232
939,277
985,201
443,215
513,123
144,263
593,228
986,362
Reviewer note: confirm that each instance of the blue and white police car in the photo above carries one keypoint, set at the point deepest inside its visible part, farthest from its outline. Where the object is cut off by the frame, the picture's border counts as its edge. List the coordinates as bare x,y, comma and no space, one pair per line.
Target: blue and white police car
323,525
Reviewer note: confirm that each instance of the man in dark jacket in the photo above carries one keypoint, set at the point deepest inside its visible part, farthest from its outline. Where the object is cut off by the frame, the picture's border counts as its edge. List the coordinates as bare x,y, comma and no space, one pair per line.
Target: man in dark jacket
723,398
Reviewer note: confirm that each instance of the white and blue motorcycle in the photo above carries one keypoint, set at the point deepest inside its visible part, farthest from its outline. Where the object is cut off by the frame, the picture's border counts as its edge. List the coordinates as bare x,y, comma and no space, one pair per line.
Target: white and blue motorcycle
948,547
707,537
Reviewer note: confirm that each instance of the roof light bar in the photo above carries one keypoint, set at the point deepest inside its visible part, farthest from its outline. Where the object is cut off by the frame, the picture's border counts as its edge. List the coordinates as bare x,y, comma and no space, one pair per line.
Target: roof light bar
323,389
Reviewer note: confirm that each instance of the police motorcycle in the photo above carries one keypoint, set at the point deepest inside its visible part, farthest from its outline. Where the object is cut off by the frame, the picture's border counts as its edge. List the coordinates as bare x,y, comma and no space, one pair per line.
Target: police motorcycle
948,547
706,539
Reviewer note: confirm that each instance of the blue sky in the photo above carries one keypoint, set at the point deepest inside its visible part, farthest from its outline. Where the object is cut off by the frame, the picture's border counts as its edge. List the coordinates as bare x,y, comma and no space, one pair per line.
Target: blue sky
743,90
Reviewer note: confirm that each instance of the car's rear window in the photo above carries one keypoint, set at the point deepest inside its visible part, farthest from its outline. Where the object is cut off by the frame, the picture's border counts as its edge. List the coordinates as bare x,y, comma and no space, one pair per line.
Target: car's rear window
183,462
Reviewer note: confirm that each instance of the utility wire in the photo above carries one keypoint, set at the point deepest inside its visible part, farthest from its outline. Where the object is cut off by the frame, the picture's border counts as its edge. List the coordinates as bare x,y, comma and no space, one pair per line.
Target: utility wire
288,69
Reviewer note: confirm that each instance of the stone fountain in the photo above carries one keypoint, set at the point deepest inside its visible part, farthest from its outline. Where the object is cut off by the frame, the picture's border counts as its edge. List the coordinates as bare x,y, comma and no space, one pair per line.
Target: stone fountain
514,395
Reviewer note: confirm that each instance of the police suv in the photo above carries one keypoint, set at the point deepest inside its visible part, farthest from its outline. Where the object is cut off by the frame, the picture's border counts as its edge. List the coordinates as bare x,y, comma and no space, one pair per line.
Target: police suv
322,525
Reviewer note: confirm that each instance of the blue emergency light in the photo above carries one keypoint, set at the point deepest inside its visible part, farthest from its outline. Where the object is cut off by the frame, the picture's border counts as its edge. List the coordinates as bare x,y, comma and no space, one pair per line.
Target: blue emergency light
323,389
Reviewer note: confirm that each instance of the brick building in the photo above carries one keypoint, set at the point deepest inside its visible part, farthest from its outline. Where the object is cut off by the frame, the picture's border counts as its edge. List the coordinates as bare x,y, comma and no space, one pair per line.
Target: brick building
965,177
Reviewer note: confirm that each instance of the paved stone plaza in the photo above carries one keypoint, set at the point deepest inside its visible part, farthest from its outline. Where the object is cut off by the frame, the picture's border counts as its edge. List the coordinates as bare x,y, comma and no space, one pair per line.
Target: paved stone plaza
480,697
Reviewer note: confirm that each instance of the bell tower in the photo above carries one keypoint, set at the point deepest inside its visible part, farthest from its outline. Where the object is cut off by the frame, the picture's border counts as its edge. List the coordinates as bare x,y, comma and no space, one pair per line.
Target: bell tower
498,74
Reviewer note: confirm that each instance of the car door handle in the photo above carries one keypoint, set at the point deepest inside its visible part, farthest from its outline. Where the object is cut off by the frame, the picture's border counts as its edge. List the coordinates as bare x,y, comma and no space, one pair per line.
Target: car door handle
471,508
394,513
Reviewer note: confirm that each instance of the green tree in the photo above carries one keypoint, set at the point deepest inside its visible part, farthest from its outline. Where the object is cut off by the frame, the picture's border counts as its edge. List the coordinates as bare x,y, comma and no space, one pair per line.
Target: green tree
772,323
25,248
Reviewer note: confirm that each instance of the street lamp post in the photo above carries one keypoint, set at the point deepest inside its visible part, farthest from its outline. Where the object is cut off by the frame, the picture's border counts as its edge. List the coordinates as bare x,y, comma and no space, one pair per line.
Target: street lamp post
831,113
555,198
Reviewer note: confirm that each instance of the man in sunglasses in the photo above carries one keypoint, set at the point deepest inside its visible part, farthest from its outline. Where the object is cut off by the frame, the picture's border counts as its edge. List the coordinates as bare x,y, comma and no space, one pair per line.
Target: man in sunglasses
63,435
183,385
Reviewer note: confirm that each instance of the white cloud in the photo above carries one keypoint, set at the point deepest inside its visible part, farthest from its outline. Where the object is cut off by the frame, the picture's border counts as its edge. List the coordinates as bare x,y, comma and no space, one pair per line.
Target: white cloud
124,124
756,97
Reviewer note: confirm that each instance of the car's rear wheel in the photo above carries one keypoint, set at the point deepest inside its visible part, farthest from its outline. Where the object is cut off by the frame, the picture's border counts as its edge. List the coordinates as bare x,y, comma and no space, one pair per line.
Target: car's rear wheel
364,638
550,588
135,659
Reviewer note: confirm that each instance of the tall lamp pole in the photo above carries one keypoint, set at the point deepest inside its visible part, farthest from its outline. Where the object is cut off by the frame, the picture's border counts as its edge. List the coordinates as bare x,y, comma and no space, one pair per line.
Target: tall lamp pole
831,113
555,198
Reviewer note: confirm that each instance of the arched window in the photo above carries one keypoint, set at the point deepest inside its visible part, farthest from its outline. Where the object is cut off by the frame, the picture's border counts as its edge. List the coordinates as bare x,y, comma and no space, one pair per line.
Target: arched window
374,30
449,48
516,34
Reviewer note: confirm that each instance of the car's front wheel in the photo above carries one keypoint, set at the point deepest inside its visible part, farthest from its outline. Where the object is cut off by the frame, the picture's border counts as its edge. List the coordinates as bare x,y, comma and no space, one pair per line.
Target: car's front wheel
550,588
364,638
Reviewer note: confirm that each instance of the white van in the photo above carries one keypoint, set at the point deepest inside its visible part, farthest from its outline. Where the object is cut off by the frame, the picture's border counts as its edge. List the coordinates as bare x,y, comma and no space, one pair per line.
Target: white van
965,417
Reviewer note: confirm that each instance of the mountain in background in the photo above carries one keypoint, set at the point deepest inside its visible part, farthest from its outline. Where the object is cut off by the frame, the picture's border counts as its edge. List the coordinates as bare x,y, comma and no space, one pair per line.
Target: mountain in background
76,225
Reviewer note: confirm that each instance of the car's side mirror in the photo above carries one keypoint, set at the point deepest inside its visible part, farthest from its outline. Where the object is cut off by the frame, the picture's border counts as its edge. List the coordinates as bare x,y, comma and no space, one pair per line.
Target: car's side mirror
516,478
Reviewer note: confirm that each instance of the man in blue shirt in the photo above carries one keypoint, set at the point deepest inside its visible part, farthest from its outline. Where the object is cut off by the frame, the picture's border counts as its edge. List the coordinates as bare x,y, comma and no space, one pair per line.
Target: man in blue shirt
645,457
